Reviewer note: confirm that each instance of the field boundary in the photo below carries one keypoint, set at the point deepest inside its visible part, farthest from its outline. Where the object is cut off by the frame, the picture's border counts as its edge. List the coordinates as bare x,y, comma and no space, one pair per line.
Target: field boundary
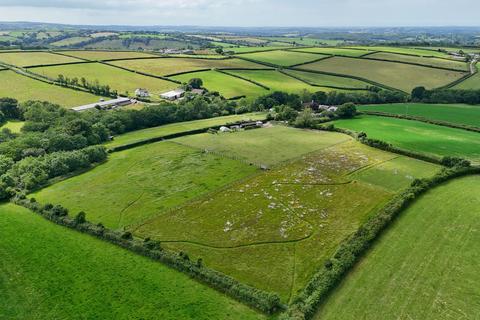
319,85
246,79
139,72
422,119
354,248
414,63
458,81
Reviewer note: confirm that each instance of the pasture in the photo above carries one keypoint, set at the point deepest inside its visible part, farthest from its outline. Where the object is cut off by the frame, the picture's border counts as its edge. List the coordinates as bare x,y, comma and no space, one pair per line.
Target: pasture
51,272
24,88
417,136
424,267
328,80
23,59
335,51
145,134
105,55
454,113
282,58
120,80
397,75
167,66
427,61
243,49
13,126
228,86
472,83
411,51
69,41
136,184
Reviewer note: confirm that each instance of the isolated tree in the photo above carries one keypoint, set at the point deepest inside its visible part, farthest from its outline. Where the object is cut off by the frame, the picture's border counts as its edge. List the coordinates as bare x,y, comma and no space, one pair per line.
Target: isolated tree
347,110
219,50
195,83
304,119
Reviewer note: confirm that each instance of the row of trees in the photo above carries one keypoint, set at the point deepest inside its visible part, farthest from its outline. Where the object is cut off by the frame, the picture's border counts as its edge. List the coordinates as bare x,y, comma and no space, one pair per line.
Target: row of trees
420,94
94,87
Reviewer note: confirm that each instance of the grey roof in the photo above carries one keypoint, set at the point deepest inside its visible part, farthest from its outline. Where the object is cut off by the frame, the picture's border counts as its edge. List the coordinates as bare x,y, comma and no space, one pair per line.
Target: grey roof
102,104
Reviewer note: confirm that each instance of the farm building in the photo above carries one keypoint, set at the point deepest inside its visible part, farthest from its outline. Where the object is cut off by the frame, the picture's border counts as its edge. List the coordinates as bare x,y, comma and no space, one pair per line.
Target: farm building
109,104
173,95
142,93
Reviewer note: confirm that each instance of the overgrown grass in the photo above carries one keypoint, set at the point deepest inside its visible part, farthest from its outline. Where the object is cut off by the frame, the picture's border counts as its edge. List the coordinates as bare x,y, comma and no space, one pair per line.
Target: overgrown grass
51,272
418,136
23,59
397,75
120,80
424,267
23,89
282,58
454,113
13,126
228,86
472,83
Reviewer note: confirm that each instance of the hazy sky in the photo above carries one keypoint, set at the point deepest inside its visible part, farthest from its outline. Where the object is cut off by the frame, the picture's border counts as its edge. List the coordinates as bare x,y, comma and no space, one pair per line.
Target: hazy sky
315,13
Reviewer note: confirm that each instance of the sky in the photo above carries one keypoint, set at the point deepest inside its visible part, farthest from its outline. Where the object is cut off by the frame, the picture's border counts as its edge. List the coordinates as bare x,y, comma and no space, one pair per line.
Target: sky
246,13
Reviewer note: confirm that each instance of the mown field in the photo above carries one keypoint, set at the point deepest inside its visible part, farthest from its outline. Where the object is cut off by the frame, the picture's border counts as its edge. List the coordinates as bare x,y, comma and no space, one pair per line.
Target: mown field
105,55
328,80
335,51
139,183
472,83
424,267
23,89
397,75
51,272
23,59
418,136
435,62
282,58
454,113
120,80
167,66
149,133
412,51
243,49
69,41
228,86
276,81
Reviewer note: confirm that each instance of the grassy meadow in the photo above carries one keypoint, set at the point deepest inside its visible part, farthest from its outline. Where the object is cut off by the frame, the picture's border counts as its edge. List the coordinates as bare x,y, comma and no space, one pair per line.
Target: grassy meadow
454,113
472,83
24,88
228,86
13,126
427,61
282,58
424,267
397,75
69,41
418,136
167,66
23,59
412,51
136,184
335,51
120,80
328,80
51,272
105,55
145,134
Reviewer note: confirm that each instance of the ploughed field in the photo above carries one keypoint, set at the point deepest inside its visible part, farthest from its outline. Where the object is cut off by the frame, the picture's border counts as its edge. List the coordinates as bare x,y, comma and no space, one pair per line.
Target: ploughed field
424,267
50,272
417,136
206,195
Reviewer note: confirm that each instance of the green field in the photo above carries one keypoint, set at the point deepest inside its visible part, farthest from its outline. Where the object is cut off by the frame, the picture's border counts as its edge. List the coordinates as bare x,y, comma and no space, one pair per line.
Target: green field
117,79
435,62
139,135
23,59
23,89
167,66
328,80
105,55
282,58
69,41
306,41
418,136
139,183
243,49
472,83
411,51
335,51
51,272
424,267
397,75
13,126
454,113
277,81
228,86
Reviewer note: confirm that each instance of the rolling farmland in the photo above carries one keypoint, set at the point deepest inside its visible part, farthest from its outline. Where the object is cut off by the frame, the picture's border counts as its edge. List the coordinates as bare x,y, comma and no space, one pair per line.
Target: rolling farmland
328,80
397,75
472,83
107,55
51,272
425,265
335,51
455,113
23,59
282,58
434,62
418,136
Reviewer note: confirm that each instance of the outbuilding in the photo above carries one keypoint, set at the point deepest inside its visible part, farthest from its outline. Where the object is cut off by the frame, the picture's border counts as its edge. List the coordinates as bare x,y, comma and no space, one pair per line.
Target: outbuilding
173,95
